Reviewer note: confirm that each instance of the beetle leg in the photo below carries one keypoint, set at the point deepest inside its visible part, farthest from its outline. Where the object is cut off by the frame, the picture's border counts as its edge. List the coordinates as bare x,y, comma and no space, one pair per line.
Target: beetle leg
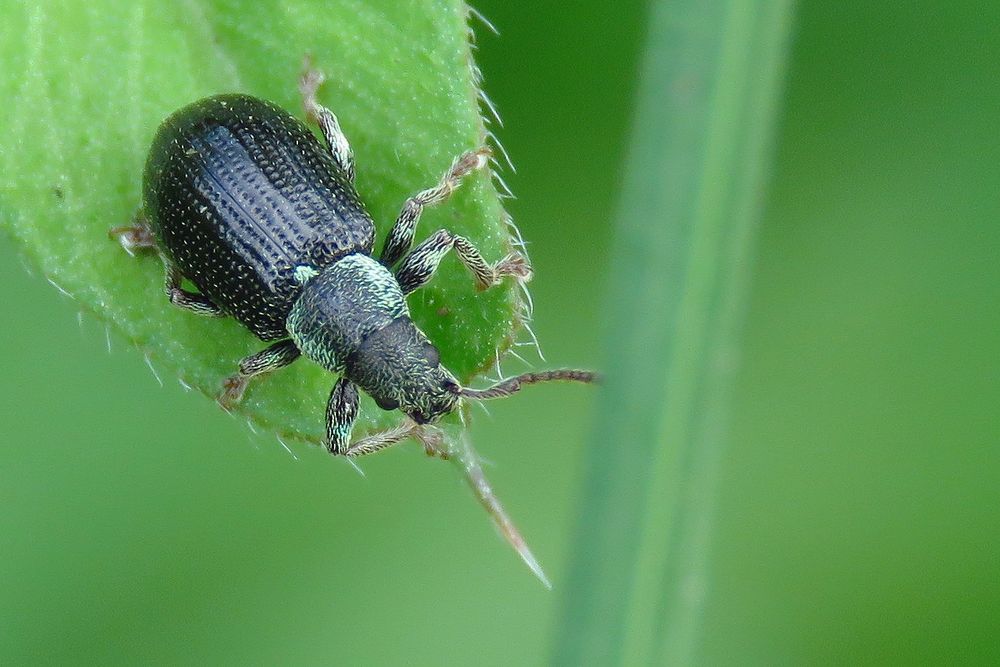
269,359
400,238
340,149
137,236
196,303
342,412
378,441
418,267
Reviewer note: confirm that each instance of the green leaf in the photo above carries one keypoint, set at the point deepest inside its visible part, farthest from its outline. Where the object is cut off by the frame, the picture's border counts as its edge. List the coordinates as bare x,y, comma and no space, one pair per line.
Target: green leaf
693,192
86,83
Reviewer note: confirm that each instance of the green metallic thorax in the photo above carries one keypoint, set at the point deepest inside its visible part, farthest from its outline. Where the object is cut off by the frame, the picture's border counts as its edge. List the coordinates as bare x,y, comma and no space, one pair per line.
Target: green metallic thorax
340,307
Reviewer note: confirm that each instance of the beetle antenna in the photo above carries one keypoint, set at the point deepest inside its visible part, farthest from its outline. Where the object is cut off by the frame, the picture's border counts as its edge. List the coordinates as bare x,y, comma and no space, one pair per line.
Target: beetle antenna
514,384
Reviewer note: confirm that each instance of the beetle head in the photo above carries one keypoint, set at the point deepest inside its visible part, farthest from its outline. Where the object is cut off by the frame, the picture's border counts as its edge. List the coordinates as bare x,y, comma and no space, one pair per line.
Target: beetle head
399,368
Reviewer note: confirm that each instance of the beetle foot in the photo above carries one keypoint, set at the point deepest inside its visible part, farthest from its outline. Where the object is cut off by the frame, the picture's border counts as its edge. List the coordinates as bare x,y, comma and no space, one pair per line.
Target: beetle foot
515,265
433,441
134,237
468,162
233,388
309,83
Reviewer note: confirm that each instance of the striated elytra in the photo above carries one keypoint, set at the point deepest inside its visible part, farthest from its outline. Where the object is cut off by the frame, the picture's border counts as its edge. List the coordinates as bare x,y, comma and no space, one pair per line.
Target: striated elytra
240,195
242,200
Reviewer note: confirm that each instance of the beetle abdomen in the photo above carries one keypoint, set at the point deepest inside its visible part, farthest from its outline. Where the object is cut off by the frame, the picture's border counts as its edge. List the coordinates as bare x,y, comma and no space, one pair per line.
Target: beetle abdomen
240,194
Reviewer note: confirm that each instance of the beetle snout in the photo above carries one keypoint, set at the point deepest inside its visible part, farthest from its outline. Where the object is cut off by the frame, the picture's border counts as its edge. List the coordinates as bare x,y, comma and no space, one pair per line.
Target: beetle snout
434,401
435,409
420,417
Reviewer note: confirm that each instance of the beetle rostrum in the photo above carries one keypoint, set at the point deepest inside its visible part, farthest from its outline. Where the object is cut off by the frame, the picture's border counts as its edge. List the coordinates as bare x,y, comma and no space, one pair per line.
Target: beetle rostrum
241,199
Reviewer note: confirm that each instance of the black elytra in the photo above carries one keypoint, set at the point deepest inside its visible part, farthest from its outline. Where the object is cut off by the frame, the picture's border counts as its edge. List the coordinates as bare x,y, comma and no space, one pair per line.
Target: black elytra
240,195
240,198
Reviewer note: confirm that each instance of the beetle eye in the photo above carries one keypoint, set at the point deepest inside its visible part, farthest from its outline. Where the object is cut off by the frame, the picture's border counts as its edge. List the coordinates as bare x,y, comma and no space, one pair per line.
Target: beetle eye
432,355
387,403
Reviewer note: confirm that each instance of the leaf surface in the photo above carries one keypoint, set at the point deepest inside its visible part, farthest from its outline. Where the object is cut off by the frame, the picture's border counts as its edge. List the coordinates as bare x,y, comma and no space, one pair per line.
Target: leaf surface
85,85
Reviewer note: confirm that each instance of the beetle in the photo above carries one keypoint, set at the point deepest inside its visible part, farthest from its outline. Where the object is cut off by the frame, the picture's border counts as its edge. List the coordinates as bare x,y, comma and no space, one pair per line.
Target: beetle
241,199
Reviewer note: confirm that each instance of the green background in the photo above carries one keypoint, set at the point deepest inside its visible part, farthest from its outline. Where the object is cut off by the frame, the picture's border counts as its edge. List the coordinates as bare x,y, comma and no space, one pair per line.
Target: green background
858,511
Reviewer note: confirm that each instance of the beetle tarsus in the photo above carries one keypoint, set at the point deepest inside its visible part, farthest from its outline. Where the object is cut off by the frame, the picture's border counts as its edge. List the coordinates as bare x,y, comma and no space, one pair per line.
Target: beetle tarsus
271,358
433,441
233,388
400,237
137,236
417,268
198,304
336,141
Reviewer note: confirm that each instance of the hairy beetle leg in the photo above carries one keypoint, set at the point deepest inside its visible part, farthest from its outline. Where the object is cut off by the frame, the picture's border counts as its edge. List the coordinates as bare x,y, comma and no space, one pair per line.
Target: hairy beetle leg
137,236
341,413
269,359
198,304
418,267
379,441
400,237
433,441
336,141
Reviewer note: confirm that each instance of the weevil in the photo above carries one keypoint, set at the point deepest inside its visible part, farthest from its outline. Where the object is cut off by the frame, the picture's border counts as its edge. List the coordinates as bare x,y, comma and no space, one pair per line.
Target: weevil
241,199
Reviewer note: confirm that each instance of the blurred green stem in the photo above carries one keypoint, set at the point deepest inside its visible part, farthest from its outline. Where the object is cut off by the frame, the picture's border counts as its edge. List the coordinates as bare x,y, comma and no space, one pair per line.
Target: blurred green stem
692,195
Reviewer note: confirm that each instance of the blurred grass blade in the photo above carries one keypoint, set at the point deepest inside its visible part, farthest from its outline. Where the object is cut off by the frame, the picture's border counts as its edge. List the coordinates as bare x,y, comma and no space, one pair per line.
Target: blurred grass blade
693,192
